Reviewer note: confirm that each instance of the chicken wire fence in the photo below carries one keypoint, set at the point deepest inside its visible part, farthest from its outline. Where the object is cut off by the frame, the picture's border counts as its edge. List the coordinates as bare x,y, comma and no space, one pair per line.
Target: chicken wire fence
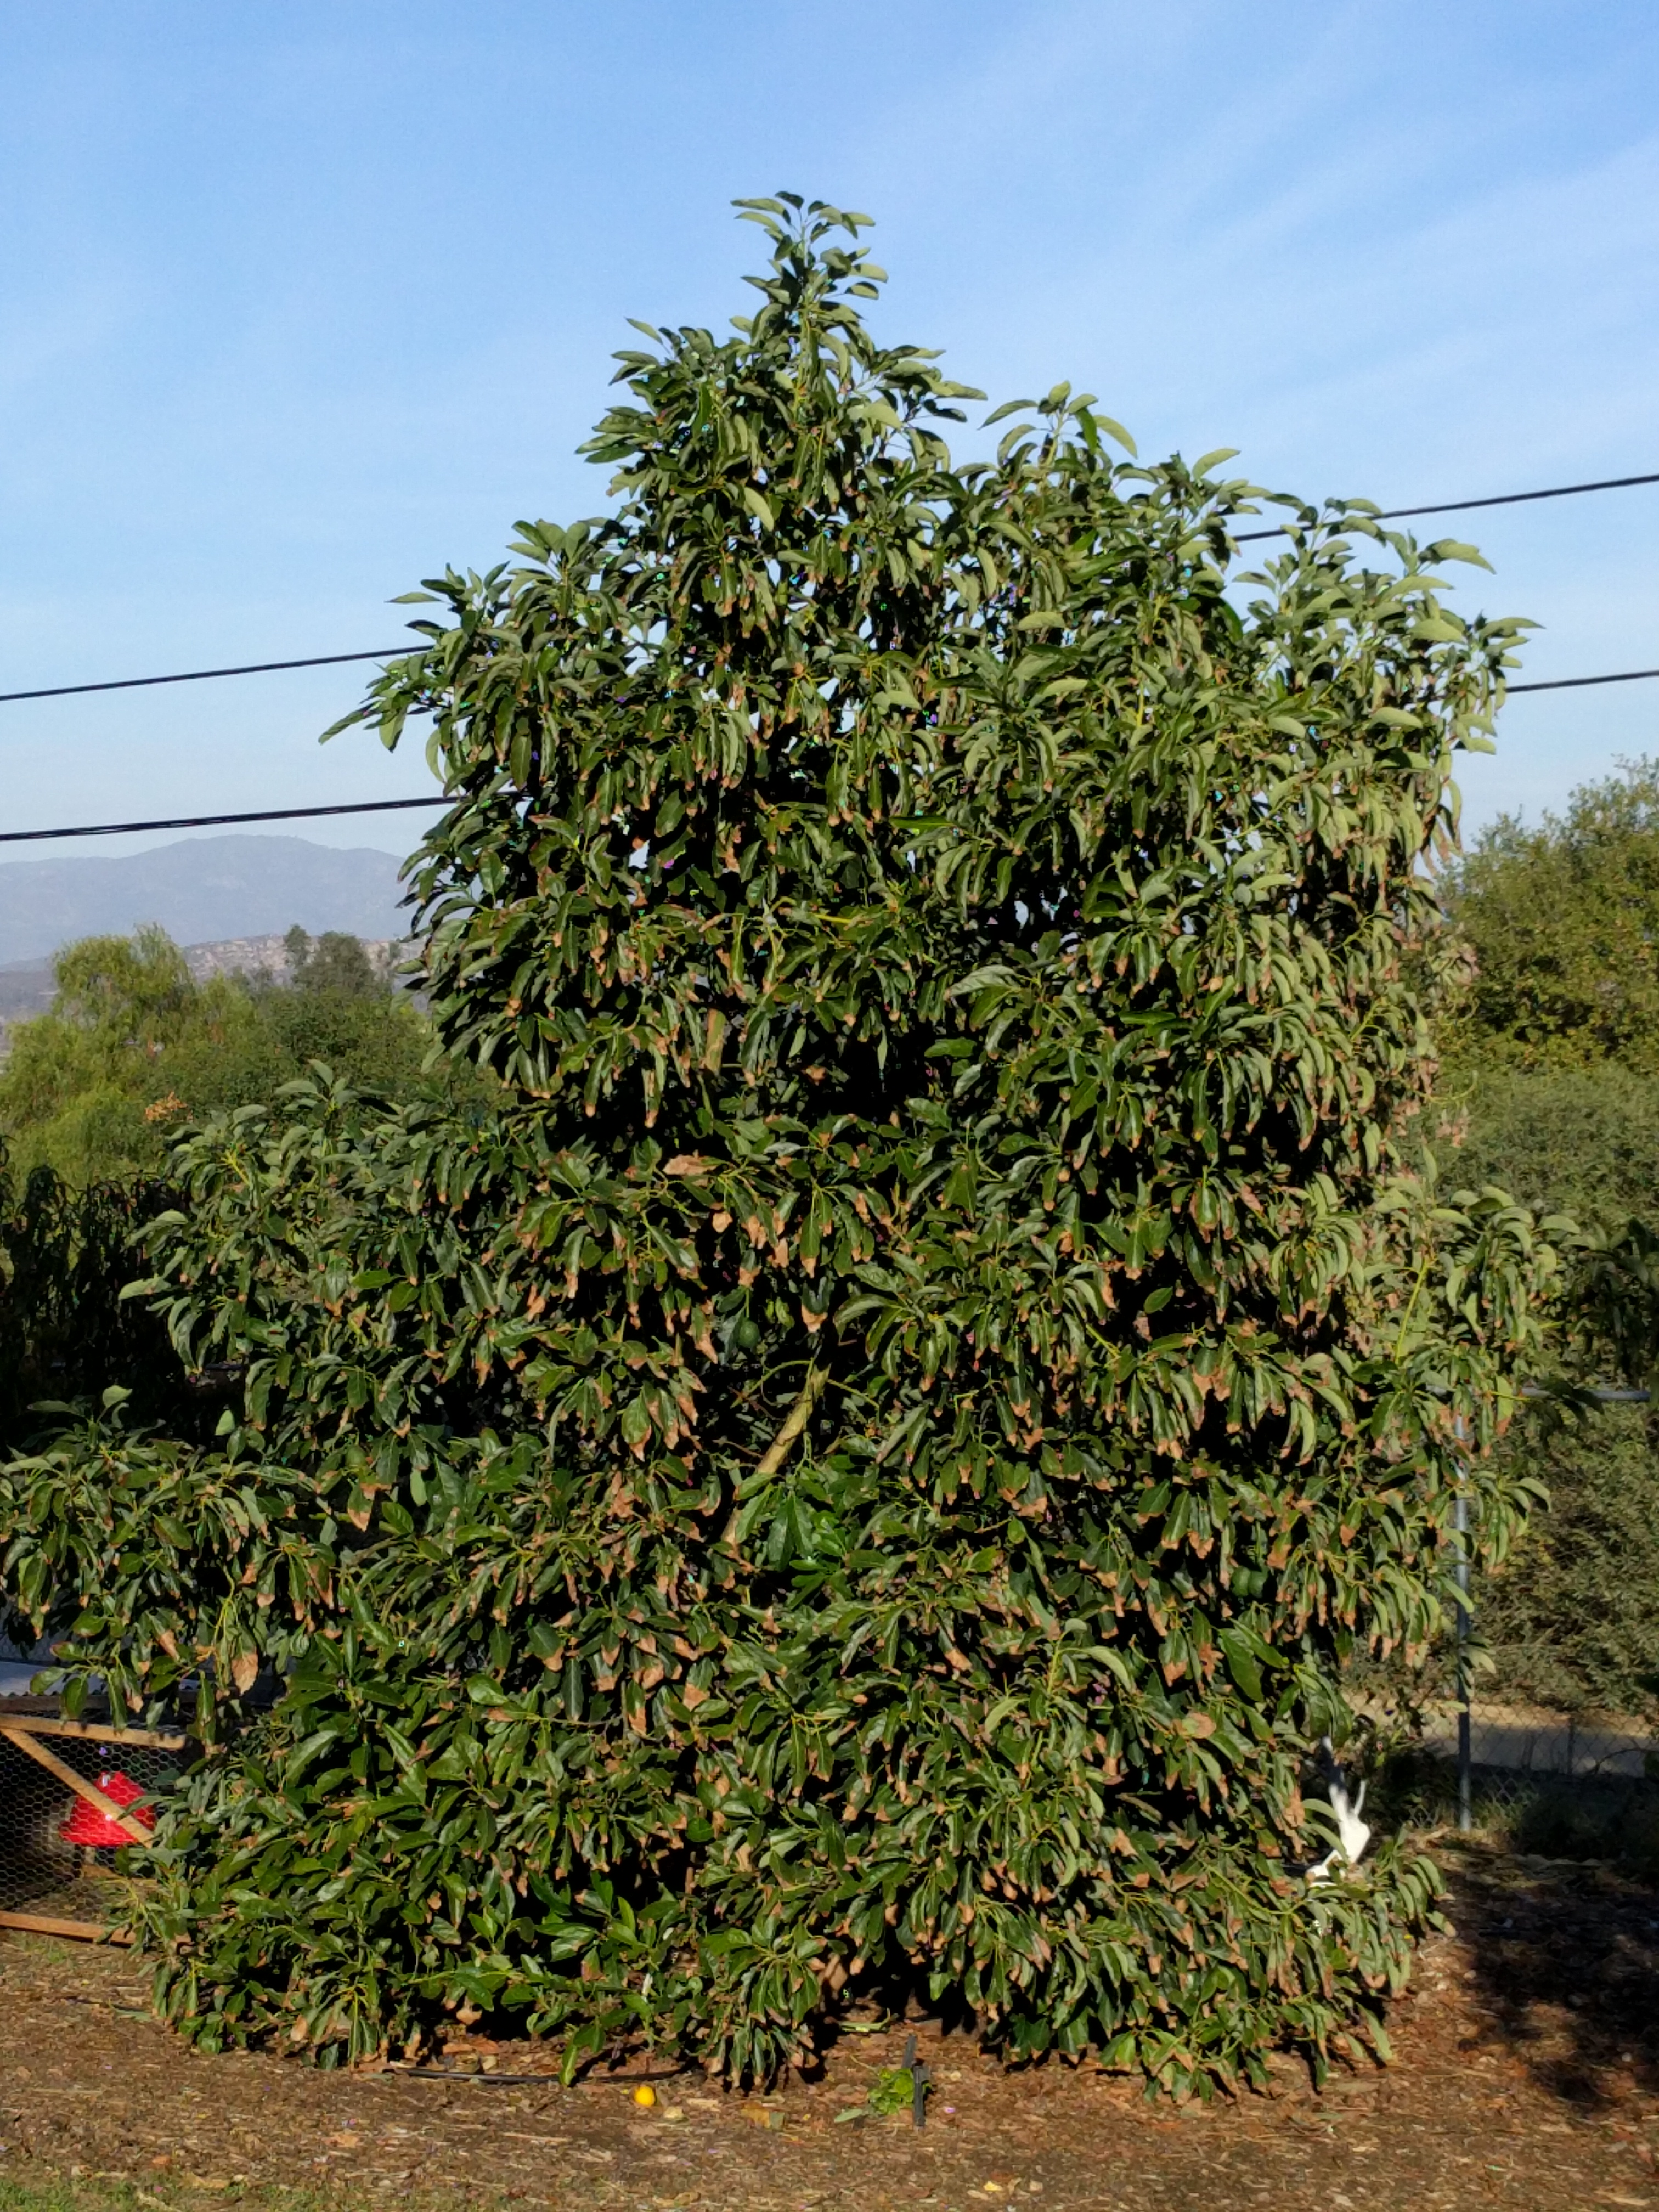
71,1795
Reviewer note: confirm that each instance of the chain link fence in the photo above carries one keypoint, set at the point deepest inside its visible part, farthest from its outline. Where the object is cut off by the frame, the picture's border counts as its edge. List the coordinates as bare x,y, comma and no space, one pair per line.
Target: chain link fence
1468,1742
1513,1749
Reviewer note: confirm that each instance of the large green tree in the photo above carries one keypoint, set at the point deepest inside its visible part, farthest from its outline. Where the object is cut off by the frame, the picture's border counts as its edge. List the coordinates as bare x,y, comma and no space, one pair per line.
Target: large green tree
862,1472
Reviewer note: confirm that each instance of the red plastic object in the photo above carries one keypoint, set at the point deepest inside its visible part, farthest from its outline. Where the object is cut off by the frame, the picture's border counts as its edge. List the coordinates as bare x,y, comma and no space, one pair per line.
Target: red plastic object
87,1824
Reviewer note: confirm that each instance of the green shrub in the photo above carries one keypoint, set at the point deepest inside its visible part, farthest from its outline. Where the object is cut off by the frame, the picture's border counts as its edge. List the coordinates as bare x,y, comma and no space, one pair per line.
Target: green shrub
1563,920
65,1331
1548,1092
1572,1620
1582,1141
134,1046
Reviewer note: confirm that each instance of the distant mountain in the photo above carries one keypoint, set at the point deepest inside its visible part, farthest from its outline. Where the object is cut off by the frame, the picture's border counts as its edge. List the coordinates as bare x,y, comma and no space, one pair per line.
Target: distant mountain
201,891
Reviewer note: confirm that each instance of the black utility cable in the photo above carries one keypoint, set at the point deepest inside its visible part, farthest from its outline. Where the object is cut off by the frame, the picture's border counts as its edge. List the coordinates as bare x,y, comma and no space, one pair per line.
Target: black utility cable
202,675
1577,682
213,821
398,652
395,805
259,668
1454,506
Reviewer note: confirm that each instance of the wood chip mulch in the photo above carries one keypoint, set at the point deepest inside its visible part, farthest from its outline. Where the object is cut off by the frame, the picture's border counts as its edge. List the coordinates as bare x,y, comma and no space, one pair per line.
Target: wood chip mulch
1526,2076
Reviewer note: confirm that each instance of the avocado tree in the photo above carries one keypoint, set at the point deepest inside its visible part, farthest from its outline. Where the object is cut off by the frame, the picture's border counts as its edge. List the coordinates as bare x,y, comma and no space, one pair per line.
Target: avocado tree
857,1475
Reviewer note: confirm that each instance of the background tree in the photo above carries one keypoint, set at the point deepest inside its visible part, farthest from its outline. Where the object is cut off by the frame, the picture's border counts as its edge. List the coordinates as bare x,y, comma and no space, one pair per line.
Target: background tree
1548,1090
863,1470
134,1046
334,962
1564,920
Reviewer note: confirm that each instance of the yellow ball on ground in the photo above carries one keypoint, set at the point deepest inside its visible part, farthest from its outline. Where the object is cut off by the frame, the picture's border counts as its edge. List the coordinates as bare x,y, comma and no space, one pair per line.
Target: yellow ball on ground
645,2094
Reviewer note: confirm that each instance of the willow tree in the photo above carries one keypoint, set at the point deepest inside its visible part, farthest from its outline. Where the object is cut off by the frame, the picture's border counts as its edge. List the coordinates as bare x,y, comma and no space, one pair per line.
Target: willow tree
859,1476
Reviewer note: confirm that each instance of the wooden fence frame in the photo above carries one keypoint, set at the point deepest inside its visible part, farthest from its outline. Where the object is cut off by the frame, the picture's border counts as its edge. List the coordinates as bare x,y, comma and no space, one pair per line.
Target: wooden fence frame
24,1731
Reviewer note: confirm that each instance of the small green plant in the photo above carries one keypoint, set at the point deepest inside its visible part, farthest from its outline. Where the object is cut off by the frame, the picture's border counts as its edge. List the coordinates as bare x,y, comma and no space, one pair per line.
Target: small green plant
892,2092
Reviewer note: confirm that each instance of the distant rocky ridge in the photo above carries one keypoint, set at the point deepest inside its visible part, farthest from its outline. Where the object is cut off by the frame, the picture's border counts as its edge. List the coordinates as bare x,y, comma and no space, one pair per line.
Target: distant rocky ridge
268,956
25,989
26,986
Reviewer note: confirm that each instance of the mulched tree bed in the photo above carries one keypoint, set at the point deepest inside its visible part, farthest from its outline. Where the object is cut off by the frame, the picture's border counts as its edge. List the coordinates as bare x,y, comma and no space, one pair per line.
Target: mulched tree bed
1526,2076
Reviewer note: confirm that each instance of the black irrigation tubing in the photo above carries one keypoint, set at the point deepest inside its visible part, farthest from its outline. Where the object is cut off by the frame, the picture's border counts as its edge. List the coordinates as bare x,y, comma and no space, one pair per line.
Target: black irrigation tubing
465,2074
1455,505
214,821
540,2080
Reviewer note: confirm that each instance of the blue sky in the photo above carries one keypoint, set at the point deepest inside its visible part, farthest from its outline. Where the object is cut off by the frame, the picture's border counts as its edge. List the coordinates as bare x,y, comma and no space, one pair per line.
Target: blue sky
299,303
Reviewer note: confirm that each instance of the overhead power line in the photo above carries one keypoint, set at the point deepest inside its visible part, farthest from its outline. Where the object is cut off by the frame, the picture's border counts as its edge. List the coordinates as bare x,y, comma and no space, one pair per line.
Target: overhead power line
1462,506
214,821
1244,537
438,798
202,675
262,667
1577,682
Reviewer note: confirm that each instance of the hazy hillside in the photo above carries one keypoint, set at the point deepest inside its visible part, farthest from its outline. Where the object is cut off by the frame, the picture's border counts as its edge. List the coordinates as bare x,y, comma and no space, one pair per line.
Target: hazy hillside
201,891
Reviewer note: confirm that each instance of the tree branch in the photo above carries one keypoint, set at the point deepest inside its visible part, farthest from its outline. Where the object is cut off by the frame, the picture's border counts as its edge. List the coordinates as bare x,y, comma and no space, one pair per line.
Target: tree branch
794,1421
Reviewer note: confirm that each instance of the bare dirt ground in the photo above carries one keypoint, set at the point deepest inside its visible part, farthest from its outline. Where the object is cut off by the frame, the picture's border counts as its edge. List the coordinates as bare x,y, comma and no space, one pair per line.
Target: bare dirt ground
1527,2076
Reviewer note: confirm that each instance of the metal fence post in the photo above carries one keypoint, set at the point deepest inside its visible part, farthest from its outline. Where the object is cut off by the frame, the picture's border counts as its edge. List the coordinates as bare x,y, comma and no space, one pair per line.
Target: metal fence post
1465,1777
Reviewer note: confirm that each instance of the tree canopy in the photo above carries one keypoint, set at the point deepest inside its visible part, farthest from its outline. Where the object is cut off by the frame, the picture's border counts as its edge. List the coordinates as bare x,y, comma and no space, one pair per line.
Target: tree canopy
861,1471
